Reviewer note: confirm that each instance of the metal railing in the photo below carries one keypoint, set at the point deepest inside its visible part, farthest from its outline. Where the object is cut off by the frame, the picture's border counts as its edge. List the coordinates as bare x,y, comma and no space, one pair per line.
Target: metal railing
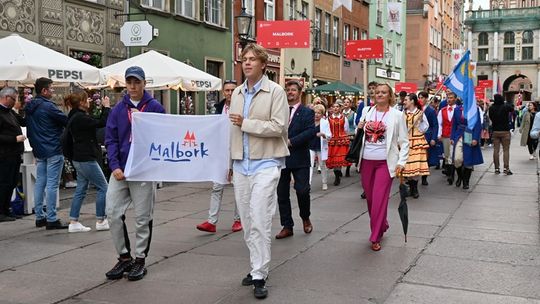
505,13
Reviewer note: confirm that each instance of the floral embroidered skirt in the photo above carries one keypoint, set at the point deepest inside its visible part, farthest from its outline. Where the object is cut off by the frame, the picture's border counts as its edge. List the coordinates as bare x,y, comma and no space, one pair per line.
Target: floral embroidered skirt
417,162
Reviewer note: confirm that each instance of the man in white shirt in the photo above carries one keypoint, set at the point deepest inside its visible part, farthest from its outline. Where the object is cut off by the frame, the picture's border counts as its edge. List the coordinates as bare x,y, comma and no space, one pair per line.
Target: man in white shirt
444,118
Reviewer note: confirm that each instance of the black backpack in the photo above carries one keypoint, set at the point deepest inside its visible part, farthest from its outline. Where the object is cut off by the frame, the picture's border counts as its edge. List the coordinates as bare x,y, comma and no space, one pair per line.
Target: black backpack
67,139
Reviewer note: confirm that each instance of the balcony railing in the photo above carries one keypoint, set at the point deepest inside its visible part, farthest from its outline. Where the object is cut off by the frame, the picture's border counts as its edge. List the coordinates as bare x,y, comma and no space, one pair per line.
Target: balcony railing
505,13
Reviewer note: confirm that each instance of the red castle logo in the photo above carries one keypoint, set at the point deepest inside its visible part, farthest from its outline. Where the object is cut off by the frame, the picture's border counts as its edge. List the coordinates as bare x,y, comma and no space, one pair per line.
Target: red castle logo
189,140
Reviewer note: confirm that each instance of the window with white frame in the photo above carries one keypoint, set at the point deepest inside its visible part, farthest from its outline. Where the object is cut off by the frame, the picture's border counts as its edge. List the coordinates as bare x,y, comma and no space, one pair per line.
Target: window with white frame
327,32
355,33
269,10
364,35
214,12
335,33
389,47
292,9
305,10
185,8
398,55
346,32
250,9
157,4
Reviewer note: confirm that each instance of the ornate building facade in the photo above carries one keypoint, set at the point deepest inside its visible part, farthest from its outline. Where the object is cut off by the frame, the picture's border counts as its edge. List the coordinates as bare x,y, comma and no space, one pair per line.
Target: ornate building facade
86,30
506,45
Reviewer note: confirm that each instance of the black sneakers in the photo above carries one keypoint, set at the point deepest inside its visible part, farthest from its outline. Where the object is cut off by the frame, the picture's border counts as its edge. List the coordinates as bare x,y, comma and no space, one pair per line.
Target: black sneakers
56,225
259,289
248,280
117,272
6,218
138,271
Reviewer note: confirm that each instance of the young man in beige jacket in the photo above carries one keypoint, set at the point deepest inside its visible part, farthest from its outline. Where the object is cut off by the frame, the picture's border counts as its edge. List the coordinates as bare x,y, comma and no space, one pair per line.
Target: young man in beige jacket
260,115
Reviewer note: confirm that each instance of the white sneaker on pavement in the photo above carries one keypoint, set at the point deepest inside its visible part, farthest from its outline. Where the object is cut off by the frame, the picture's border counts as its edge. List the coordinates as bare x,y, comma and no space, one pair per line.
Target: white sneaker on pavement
324,187
78,227
104,225
531,157
71,184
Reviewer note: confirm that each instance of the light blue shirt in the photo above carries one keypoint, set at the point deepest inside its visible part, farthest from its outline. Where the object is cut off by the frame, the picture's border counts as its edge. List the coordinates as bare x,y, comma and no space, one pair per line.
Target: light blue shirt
535,130
248,166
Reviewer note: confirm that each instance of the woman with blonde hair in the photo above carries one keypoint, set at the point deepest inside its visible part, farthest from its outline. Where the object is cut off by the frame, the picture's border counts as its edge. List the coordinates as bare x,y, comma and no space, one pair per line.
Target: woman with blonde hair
384,153
318,146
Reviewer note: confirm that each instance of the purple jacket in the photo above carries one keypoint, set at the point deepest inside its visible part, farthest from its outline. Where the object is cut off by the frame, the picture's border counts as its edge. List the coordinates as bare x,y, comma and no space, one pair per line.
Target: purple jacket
118,130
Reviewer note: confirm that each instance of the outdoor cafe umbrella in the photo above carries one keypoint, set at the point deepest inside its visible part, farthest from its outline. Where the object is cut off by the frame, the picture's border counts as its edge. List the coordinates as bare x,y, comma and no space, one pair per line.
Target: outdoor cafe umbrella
23,61
403,209
162,72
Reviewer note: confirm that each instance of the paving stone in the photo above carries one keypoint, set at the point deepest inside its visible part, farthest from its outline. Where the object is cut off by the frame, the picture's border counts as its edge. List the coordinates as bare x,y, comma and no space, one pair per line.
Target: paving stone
488,277
513,254
494,235
421,294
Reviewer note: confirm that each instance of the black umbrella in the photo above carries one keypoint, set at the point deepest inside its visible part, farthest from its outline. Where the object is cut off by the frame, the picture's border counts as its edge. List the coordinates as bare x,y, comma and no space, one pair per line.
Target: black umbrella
402,209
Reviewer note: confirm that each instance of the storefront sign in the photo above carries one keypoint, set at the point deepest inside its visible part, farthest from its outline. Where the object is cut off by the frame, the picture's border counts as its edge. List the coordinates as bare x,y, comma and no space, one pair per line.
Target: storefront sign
408,87
136,33
364,49
283,34
488,83
381,73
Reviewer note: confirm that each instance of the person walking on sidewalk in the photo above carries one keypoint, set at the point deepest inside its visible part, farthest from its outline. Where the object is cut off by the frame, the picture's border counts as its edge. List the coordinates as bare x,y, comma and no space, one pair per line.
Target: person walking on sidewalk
11,149
417,125
86,153
499,114
301,132
431,133
466,143
526,126
350,115
45,123
259,114
383,156
445,117
216,196
318,146
338,143
122,193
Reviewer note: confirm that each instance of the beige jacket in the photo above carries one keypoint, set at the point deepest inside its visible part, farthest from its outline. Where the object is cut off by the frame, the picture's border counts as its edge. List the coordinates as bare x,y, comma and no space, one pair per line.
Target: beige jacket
266,124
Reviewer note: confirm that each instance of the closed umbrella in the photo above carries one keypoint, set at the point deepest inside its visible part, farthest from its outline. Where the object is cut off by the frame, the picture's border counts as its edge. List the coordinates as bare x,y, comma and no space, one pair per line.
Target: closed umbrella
403,209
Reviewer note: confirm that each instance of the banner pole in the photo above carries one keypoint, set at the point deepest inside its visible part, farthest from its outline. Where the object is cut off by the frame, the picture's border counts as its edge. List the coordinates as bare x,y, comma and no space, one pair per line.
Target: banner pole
365,80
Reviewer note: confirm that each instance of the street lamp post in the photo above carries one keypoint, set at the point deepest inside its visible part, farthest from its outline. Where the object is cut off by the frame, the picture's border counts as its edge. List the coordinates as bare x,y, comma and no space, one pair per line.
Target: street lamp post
243,25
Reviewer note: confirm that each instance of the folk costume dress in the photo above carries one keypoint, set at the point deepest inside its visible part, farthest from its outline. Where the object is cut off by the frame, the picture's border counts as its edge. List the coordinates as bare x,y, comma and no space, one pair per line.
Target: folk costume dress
417,125
338,144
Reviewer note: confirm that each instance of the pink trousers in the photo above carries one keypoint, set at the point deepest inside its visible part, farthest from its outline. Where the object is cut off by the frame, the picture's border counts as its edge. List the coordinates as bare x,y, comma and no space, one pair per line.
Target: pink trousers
377,184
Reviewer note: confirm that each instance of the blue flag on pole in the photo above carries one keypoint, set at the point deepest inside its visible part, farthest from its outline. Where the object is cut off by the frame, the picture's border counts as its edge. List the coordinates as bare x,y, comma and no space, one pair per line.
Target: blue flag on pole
460,81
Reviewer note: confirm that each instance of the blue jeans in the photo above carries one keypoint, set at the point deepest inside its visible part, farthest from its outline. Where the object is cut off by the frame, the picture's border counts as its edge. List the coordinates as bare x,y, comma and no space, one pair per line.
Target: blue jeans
87,172
48,172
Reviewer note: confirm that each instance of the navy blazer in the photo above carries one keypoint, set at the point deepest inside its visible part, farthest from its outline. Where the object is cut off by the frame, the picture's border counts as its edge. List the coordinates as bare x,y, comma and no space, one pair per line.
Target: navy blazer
301,132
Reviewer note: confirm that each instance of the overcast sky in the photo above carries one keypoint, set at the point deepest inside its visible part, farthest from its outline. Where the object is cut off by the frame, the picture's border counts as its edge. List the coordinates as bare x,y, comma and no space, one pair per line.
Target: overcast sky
483,3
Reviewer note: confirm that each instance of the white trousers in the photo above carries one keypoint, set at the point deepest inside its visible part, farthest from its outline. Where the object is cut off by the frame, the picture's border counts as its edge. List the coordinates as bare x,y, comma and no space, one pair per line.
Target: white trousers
322,164
215,204
256,198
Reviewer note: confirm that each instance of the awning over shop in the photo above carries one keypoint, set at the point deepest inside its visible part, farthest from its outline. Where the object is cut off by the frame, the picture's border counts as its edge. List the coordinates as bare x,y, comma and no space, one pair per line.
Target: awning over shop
162,72
336,88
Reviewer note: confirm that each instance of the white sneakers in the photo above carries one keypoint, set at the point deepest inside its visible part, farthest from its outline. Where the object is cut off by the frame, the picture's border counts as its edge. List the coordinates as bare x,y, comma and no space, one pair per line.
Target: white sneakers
70,184
78,227
324,187
103,225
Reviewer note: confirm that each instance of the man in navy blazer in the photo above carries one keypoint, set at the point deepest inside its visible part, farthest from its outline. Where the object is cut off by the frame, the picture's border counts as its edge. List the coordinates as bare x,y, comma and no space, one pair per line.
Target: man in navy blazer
301,131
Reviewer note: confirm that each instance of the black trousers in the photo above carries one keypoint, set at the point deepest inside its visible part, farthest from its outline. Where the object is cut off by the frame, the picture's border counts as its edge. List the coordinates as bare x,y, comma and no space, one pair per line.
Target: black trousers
9,174
302,187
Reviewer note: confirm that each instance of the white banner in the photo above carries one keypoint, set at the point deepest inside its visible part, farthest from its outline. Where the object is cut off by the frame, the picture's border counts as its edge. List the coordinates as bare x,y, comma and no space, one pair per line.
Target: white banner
394,16
179,148
456,57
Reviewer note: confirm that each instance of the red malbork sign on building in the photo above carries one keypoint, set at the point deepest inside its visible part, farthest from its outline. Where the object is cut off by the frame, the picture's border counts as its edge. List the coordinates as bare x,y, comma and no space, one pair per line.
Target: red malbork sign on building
408,87
480,92
488,83
364,49
283,34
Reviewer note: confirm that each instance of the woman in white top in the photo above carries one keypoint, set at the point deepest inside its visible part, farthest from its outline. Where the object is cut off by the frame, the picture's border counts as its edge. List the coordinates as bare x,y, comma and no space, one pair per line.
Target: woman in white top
384,154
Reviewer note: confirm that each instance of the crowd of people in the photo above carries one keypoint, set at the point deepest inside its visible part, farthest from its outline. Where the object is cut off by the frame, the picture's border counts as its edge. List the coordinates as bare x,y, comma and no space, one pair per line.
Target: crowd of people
277,140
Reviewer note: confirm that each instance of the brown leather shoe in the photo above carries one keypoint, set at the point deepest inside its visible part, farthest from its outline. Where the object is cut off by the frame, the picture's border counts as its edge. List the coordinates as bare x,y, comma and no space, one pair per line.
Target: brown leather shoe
307,226
284,233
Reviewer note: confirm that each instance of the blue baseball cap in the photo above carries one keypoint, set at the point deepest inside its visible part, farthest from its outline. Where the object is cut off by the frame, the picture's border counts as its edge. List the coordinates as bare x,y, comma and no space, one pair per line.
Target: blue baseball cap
136,72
